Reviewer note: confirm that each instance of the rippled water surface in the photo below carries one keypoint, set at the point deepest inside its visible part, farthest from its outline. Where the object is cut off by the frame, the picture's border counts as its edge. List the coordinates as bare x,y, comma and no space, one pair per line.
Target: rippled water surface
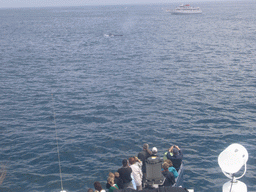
159,78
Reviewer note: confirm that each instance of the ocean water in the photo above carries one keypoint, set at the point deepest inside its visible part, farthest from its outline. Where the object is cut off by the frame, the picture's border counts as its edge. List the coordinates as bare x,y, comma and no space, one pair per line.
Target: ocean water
159,78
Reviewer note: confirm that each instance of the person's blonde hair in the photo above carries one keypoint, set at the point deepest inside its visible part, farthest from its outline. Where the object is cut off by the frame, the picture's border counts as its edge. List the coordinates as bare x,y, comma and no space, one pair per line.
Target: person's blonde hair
111,180
111,174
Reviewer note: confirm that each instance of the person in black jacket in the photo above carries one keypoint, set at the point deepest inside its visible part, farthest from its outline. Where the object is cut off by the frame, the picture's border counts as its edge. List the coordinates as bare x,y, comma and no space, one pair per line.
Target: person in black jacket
143,155
175,155
169,177
125,174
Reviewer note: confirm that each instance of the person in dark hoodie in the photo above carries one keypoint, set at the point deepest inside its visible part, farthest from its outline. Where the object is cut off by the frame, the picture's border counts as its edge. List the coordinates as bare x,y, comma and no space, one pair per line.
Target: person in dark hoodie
169,177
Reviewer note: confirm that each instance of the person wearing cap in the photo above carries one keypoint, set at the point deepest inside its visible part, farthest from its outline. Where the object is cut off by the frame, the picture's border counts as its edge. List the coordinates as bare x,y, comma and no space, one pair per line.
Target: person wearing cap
154,155
125,174
154,152
175,156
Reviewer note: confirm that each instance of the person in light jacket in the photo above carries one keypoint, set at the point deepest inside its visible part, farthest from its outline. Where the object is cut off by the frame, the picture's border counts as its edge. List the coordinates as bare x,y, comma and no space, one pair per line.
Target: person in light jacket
137,174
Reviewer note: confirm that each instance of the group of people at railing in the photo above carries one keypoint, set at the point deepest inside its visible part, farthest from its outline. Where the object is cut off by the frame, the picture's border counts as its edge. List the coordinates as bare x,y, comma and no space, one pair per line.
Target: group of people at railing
133,172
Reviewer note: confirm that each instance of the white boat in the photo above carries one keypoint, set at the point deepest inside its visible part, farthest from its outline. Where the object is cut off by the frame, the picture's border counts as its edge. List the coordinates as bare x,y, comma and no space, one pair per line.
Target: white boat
186,9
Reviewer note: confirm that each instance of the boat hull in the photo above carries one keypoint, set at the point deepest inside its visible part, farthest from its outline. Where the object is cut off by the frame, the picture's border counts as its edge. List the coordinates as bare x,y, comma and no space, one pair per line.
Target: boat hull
179,179
186,12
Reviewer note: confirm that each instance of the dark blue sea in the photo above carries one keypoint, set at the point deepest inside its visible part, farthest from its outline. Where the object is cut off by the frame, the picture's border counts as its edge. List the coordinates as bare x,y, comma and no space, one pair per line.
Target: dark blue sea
117,77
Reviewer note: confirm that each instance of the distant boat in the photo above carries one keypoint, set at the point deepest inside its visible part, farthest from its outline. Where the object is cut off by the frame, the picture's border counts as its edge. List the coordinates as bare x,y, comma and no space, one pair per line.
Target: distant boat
111,35
186,9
